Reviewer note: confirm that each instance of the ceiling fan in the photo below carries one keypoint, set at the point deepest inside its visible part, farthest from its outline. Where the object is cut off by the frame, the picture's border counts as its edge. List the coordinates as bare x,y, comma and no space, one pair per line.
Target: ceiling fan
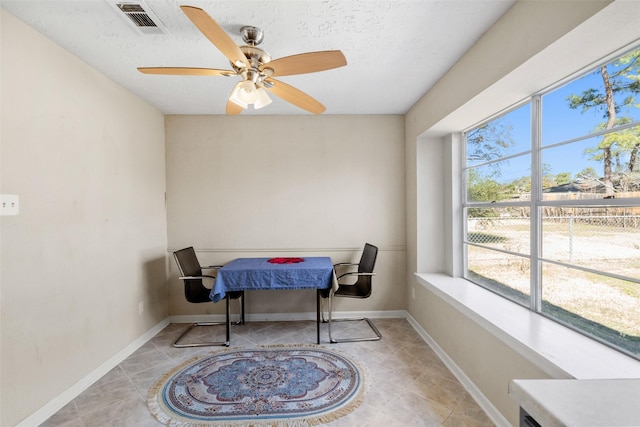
255,67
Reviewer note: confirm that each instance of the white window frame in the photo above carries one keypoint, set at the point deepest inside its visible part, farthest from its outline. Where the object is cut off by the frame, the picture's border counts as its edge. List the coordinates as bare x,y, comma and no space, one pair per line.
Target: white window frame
536,204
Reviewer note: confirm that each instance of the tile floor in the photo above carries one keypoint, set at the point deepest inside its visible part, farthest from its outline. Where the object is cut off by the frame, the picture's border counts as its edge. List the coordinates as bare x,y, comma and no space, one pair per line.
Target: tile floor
407,384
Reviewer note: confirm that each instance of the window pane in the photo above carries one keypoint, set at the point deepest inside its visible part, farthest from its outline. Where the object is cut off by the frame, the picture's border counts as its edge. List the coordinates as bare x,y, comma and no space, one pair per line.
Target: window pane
505,228
505,180
580,107
600,238
588,212
603,307
507,275
577,170
504,136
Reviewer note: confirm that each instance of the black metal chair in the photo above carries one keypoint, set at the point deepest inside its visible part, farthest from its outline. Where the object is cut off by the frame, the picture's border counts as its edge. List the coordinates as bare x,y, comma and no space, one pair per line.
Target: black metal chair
196,292
360,289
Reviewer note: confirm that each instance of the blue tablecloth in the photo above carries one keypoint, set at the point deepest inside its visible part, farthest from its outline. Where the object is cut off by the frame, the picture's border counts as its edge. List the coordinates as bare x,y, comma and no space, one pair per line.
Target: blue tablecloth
245,274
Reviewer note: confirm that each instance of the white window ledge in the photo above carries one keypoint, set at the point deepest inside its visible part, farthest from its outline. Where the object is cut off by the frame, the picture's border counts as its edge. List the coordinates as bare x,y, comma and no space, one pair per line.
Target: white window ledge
557,350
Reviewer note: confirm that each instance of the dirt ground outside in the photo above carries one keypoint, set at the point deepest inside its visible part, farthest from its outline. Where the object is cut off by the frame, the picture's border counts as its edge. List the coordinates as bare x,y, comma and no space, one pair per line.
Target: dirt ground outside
581,298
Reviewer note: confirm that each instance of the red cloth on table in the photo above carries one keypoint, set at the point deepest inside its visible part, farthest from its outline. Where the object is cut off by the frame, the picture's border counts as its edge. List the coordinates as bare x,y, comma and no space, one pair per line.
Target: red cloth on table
285,260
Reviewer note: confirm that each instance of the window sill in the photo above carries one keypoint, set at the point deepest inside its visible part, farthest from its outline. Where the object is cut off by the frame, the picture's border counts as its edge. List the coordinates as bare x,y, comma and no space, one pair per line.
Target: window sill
557,350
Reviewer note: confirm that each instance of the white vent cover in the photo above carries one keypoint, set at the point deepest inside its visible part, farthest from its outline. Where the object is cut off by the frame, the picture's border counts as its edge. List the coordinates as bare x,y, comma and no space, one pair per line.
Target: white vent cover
139,16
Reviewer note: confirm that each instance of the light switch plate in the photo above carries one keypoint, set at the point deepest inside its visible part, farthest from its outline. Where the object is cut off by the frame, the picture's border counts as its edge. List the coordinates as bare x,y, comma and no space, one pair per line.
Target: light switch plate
9,204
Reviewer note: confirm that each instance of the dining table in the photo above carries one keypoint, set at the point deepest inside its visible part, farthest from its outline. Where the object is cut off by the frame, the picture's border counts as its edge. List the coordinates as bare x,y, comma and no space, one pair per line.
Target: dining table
281,273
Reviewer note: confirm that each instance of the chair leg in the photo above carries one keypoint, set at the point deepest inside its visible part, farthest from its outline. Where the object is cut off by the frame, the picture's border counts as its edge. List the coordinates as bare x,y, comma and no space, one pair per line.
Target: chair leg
322,319
177,343
355,339
227,323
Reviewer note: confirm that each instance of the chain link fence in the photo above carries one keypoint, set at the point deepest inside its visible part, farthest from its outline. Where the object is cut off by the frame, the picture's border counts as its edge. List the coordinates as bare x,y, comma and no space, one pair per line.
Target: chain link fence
603,242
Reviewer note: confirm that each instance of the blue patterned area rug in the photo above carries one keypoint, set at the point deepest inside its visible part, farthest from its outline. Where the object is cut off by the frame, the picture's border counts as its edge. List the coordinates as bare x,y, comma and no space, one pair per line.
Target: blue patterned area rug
269,386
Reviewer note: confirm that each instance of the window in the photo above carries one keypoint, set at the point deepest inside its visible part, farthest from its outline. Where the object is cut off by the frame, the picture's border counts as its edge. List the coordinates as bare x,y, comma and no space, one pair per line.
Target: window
552,204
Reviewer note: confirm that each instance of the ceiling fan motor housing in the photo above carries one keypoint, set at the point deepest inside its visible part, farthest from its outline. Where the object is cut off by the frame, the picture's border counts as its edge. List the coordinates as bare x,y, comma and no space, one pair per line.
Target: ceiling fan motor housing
255,56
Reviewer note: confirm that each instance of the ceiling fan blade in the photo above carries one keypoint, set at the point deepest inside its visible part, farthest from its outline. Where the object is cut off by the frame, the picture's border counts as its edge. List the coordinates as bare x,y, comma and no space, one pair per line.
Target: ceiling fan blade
295,96
310,62
216,35
233,108
185,71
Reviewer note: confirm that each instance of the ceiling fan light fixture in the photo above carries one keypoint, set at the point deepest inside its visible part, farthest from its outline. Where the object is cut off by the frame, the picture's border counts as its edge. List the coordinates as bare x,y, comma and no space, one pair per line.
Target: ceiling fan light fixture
263,99
235,98
247,92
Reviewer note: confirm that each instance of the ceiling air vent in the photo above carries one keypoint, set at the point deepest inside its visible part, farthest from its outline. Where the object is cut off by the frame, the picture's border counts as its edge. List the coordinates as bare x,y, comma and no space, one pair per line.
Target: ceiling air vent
140,17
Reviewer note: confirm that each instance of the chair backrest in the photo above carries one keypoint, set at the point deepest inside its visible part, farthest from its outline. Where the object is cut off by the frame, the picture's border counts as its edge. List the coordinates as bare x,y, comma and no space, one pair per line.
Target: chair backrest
187,261
368,259
366,265
188,264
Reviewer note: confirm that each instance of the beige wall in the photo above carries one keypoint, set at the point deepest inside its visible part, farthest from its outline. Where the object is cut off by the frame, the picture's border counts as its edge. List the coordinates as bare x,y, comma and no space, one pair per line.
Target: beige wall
535,44
87,160
288,186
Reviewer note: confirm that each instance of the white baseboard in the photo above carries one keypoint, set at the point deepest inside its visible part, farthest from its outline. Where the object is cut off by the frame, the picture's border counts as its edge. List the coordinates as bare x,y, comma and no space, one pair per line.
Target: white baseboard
283,317
486,405
57,403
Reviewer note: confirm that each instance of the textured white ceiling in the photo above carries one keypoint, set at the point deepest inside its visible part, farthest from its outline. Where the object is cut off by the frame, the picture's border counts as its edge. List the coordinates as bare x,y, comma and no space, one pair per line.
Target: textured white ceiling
396,50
